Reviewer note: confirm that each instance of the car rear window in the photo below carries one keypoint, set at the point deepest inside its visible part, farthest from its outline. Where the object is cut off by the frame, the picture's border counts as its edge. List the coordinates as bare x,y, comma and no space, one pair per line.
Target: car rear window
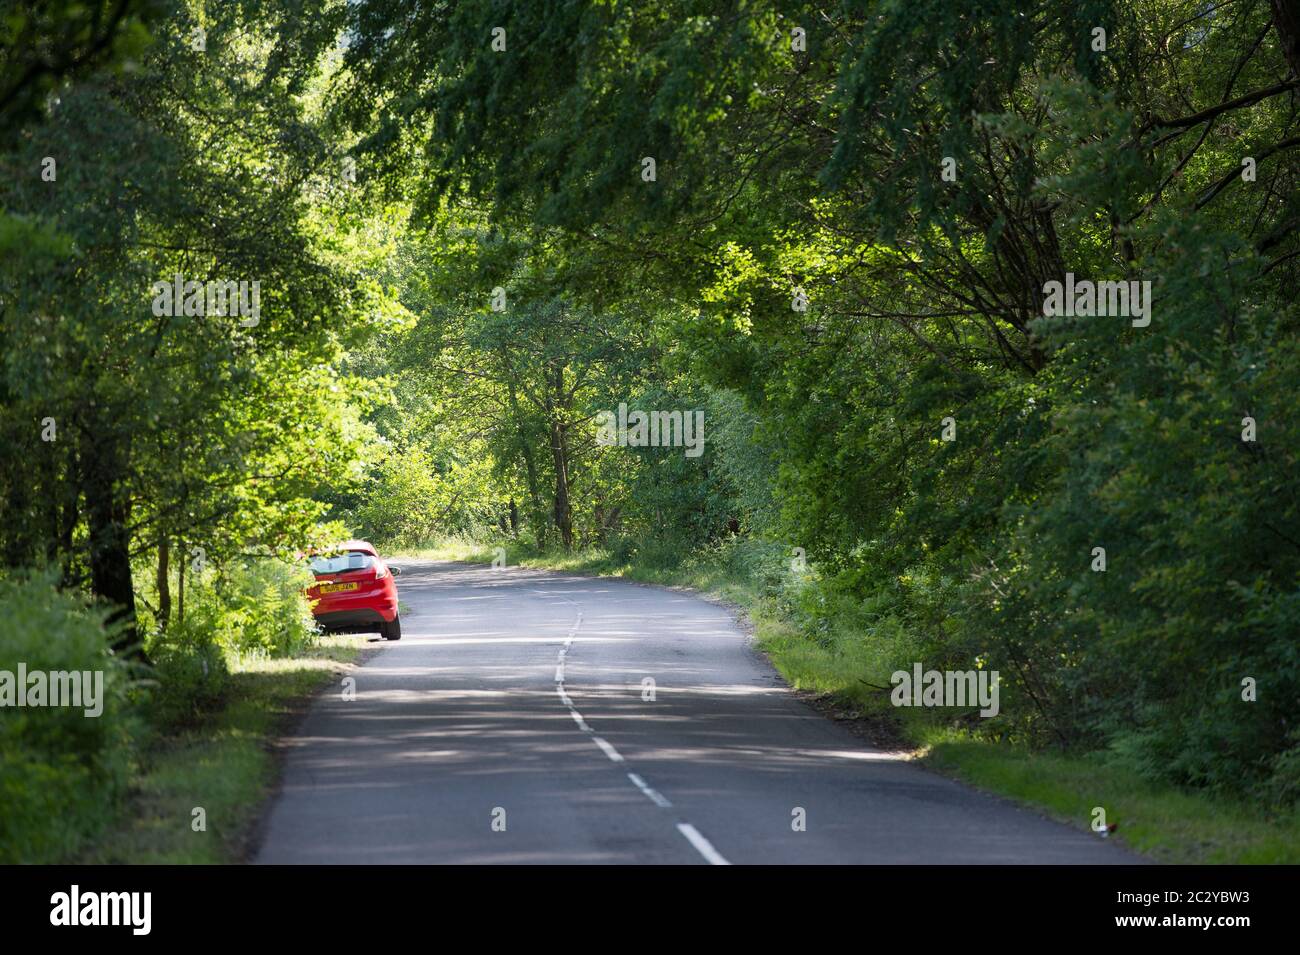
341,563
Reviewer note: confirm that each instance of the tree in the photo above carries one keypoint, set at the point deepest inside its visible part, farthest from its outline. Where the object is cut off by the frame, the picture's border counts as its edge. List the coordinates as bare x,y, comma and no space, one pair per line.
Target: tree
175,420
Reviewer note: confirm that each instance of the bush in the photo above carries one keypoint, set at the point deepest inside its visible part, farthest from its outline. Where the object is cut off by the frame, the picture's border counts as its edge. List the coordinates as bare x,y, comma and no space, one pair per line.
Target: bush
252,608
190,675
61,772
255,608
413,496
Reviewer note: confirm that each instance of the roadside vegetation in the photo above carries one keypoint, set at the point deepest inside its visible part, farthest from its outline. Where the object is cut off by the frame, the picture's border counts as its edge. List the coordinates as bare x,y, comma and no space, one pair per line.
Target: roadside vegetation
175,767
221,760
164,455
276,274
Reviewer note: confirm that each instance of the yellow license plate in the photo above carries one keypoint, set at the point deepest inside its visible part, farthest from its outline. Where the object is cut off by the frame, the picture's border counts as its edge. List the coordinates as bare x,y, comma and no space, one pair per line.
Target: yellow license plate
336,588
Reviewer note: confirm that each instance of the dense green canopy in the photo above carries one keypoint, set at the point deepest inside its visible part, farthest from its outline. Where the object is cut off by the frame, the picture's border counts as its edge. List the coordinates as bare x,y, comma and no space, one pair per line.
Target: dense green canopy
834,230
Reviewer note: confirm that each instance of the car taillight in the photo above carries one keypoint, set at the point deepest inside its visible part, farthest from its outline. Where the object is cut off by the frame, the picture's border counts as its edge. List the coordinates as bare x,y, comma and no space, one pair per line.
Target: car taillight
380,572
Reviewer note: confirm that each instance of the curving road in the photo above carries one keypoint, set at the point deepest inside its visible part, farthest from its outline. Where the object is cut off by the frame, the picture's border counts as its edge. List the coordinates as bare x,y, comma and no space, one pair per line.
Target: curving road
510,726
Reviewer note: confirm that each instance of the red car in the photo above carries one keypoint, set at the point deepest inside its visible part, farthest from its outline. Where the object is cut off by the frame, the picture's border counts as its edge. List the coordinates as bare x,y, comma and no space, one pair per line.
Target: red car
355,590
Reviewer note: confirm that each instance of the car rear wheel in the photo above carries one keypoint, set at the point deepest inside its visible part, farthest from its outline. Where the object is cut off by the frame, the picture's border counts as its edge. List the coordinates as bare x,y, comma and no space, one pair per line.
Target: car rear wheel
391,631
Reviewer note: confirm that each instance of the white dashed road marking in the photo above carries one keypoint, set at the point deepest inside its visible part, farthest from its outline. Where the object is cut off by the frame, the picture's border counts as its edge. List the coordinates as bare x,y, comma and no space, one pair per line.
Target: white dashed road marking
656,797
702,845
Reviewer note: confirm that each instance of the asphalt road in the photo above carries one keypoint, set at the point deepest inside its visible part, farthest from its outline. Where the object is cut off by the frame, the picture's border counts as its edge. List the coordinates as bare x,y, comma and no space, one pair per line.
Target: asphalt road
511,725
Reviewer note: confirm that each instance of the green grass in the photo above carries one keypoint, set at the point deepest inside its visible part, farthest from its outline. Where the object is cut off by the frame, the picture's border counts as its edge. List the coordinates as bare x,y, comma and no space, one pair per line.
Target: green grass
223,765
1161,821
1165,823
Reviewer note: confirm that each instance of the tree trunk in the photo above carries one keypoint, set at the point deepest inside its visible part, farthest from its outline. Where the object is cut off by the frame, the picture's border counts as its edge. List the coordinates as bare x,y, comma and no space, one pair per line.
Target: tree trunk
560,458
69,517
563,510
164,584
107,516
535,496
180,585
18,536
530,466
1286,20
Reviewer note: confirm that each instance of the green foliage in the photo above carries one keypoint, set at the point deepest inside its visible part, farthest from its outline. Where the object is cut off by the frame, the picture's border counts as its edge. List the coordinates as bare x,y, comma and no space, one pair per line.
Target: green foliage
390,388
252,607
189,676
780,169
409,498
61,771
206,431
46,44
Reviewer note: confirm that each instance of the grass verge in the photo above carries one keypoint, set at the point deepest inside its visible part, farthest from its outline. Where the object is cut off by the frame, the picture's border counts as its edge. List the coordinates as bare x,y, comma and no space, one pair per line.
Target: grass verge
1163,822
224,765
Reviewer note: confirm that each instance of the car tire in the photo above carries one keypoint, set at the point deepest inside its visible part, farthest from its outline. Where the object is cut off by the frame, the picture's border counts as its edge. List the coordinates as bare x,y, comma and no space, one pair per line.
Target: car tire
391,631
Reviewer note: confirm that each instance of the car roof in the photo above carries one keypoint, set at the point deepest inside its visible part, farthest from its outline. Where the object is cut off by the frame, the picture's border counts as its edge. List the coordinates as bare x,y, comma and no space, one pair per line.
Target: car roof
364,546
